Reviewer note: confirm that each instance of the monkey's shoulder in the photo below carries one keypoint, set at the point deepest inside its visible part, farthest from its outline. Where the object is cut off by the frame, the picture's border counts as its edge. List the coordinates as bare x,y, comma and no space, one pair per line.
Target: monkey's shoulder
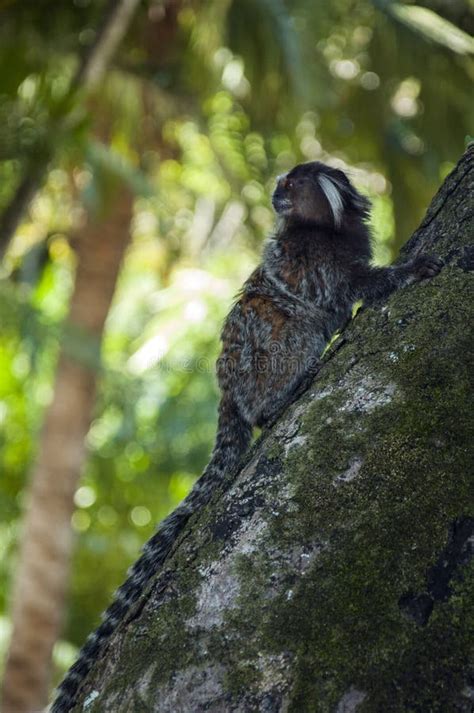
250,307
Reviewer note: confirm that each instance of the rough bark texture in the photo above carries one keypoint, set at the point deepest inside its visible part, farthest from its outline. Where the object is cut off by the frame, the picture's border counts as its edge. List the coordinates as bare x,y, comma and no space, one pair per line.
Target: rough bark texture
43,570
333,574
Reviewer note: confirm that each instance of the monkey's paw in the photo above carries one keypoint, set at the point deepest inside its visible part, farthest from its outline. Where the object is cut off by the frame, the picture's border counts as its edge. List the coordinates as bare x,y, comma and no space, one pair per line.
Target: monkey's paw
426,266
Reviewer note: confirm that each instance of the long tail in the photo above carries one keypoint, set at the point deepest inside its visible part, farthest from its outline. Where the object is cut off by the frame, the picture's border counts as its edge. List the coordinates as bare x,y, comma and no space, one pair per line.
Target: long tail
233,438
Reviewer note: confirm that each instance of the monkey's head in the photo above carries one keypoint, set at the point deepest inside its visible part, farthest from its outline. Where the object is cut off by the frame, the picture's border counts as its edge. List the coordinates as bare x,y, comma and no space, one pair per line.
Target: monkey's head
315,193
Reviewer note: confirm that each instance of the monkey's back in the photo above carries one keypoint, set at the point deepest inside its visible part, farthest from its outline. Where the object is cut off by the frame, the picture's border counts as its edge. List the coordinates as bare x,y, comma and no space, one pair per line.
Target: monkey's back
269,339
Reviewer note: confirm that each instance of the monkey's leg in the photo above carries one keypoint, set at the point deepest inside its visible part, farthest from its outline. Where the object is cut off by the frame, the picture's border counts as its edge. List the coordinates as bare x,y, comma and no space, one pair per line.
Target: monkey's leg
277,406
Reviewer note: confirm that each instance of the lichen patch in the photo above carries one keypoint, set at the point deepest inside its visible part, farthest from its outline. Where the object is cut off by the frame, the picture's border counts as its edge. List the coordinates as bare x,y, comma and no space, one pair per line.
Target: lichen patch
191,690
350,701
294,443
218,593
367,395
351,473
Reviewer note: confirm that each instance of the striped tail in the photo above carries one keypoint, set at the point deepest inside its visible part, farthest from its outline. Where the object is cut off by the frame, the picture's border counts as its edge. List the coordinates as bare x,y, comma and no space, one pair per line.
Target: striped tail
233,438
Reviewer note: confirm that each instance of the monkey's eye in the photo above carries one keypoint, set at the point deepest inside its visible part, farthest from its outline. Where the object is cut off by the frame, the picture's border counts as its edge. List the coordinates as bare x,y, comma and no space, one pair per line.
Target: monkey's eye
295,182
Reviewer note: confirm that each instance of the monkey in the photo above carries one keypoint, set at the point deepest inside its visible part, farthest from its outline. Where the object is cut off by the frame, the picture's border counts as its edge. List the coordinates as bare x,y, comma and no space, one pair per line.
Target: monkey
313,269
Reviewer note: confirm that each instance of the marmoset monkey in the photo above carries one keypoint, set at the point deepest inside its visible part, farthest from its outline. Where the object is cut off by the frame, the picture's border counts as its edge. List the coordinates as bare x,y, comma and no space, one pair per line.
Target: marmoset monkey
313,270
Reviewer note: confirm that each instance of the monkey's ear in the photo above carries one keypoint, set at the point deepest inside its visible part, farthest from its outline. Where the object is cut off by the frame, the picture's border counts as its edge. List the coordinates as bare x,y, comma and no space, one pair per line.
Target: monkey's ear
352,198
359,202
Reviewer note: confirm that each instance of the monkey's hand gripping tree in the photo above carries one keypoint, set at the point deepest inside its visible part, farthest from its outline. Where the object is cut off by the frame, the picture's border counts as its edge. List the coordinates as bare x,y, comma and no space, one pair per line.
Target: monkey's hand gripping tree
333,573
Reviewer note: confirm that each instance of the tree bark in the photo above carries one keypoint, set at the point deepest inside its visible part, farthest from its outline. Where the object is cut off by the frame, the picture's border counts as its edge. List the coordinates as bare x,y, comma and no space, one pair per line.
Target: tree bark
331,575
41,580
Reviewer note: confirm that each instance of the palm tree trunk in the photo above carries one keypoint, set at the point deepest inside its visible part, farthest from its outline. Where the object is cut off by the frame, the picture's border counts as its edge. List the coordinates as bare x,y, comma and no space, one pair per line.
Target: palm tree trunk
40,585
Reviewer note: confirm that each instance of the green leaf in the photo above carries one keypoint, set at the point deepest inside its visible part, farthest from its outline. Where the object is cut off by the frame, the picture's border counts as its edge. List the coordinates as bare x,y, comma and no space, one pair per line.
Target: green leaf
430,25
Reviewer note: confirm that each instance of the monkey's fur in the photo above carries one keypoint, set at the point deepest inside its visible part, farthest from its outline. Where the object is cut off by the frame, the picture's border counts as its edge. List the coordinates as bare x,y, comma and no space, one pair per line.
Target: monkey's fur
313,270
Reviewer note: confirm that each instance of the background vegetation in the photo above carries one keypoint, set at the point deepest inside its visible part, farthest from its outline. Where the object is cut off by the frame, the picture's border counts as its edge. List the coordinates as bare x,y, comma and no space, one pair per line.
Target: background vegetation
205,102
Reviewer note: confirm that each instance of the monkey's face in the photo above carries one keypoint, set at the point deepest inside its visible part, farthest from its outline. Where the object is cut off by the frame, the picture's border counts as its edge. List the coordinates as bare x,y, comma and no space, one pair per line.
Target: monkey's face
315,193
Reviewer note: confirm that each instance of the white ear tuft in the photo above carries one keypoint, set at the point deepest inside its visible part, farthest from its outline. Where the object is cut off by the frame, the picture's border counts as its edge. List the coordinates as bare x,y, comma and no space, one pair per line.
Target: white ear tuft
331,191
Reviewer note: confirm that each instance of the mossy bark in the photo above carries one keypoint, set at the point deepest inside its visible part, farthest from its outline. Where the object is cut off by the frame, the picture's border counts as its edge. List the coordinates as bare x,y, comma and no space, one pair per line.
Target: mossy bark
333,574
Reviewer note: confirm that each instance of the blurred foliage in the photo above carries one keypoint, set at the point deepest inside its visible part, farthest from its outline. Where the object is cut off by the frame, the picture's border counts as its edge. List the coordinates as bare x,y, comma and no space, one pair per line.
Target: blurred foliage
206,102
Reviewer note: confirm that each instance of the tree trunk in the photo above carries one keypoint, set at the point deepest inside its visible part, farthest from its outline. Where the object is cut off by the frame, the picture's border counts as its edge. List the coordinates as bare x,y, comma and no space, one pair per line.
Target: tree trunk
42,575
331,574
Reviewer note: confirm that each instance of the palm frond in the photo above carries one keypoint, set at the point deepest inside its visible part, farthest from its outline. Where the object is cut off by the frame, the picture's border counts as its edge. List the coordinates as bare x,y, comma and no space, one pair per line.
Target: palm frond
429,25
